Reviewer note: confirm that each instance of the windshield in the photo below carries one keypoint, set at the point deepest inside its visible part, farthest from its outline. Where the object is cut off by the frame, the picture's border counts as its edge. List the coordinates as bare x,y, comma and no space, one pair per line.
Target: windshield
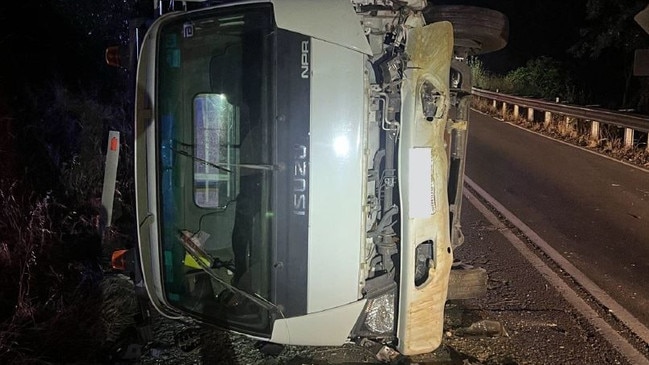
215,165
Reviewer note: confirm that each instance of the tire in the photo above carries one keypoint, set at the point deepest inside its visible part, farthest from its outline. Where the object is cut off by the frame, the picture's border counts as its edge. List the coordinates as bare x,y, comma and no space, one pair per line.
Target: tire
467,283
479,30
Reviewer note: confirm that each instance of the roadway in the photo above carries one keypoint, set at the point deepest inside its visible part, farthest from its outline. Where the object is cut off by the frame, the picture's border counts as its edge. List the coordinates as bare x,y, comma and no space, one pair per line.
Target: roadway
591,209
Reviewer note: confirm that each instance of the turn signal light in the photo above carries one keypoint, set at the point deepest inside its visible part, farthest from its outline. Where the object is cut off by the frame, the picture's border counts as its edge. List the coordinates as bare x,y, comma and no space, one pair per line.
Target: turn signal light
118,56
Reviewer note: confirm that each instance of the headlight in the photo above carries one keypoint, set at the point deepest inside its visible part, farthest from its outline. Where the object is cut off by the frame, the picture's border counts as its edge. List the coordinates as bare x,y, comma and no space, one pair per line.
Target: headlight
379,317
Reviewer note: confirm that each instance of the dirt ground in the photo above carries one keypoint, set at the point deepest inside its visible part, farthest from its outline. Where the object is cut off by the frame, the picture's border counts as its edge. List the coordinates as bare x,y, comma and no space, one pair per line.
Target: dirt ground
521,320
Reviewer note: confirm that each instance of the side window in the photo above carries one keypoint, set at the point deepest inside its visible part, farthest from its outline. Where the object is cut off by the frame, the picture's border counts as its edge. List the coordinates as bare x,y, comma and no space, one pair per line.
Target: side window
216,147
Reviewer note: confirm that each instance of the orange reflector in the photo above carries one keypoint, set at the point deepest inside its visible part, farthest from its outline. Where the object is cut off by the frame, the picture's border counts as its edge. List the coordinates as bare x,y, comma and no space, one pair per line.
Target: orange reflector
112,56
113,144
118,260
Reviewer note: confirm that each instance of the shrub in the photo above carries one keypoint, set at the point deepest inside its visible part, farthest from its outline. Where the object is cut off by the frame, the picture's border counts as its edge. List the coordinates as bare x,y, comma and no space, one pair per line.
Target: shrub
49,276
54,306
484,79
541,77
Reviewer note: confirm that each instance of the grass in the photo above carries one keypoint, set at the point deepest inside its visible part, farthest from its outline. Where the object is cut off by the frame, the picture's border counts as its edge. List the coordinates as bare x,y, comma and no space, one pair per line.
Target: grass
49,285
57,303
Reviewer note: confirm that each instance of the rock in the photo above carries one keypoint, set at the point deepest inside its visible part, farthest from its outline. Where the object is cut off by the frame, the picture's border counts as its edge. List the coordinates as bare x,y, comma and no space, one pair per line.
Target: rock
485,327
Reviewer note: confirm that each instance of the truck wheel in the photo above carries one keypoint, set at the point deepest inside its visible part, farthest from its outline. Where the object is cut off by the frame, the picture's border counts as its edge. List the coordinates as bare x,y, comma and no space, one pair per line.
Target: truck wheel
480,30
467,282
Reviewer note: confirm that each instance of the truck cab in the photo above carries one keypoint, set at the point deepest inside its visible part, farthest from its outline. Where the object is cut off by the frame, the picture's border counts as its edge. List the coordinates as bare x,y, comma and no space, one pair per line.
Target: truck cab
299,169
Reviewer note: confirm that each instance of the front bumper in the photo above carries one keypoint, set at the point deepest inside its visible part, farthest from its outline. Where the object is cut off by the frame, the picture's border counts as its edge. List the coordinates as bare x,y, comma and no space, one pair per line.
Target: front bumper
423,173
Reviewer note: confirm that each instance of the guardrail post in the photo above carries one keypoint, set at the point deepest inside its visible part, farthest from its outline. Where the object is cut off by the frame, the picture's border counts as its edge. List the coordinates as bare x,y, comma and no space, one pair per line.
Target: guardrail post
547,120
515,111
567,126
494,104
628,137
594,130
530,114
504,110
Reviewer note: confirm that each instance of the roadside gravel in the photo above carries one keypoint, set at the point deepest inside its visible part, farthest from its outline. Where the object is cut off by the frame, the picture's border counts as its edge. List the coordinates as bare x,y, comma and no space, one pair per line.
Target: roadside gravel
521,320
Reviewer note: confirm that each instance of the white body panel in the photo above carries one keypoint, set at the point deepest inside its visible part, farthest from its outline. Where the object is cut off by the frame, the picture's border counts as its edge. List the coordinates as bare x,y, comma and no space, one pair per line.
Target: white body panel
421,308
326,328
338,171
333,21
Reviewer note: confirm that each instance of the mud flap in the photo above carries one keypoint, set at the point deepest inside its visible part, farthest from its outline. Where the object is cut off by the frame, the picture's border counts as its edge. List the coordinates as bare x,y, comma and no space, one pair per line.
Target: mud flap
423,170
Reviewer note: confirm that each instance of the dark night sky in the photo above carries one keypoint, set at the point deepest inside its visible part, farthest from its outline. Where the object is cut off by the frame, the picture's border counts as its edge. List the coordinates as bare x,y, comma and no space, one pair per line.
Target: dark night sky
53,43
537,27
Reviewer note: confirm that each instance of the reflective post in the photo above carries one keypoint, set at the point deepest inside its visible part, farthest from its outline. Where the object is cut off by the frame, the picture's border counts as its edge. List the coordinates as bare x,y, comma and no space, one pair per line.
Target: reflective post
530,114
594,130
548,119
628,137
110,177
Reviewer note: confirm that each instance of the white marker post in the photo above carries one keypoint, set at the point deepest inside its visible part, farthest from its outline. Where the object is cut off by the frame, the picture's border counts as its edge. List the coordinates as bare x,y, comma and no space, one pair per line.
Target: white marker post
110,177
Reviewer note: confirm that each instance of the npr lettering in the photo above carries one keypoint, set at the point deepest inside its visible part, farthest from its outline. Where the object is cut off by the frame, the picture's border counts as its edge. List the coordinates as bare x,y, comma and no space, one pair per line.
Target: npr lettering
305,60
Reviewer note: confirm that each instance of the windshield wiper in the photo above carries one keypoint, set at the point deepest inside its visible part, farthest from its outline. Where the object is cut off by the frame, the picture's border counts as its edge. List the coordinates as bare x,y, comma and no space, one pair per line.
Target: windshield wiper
198,254
221,166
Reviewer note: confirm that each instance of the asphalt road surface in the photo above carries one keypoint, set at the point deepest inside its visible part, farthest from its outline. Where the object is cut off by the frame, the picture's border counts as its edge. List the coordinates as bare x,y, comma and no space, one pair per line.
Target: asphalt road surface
593,210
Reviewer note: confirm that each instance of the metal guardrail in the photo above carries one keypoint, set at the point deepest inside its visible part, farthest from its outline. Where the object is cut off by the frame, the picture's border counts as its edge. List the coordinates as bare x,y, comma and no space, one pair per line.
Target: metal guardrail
631,122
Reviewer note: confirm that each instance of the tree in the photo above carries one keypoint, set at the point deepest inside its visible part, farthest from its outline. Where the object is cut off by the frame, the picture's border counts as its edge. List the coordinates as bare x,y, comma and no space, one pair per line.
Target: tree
610,25
608,42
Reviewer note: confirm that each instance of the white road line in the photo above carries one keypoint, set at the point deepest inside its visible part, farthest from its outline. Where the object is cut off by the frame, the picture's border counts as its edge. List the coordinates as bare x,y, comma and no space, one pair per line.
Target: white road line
610,334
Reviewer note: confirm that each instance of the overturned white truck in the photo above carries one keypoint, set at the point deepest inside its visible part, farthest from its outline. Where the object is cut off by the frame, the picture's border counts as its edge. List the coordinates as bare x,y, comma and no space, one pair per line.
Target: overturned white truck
299,165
